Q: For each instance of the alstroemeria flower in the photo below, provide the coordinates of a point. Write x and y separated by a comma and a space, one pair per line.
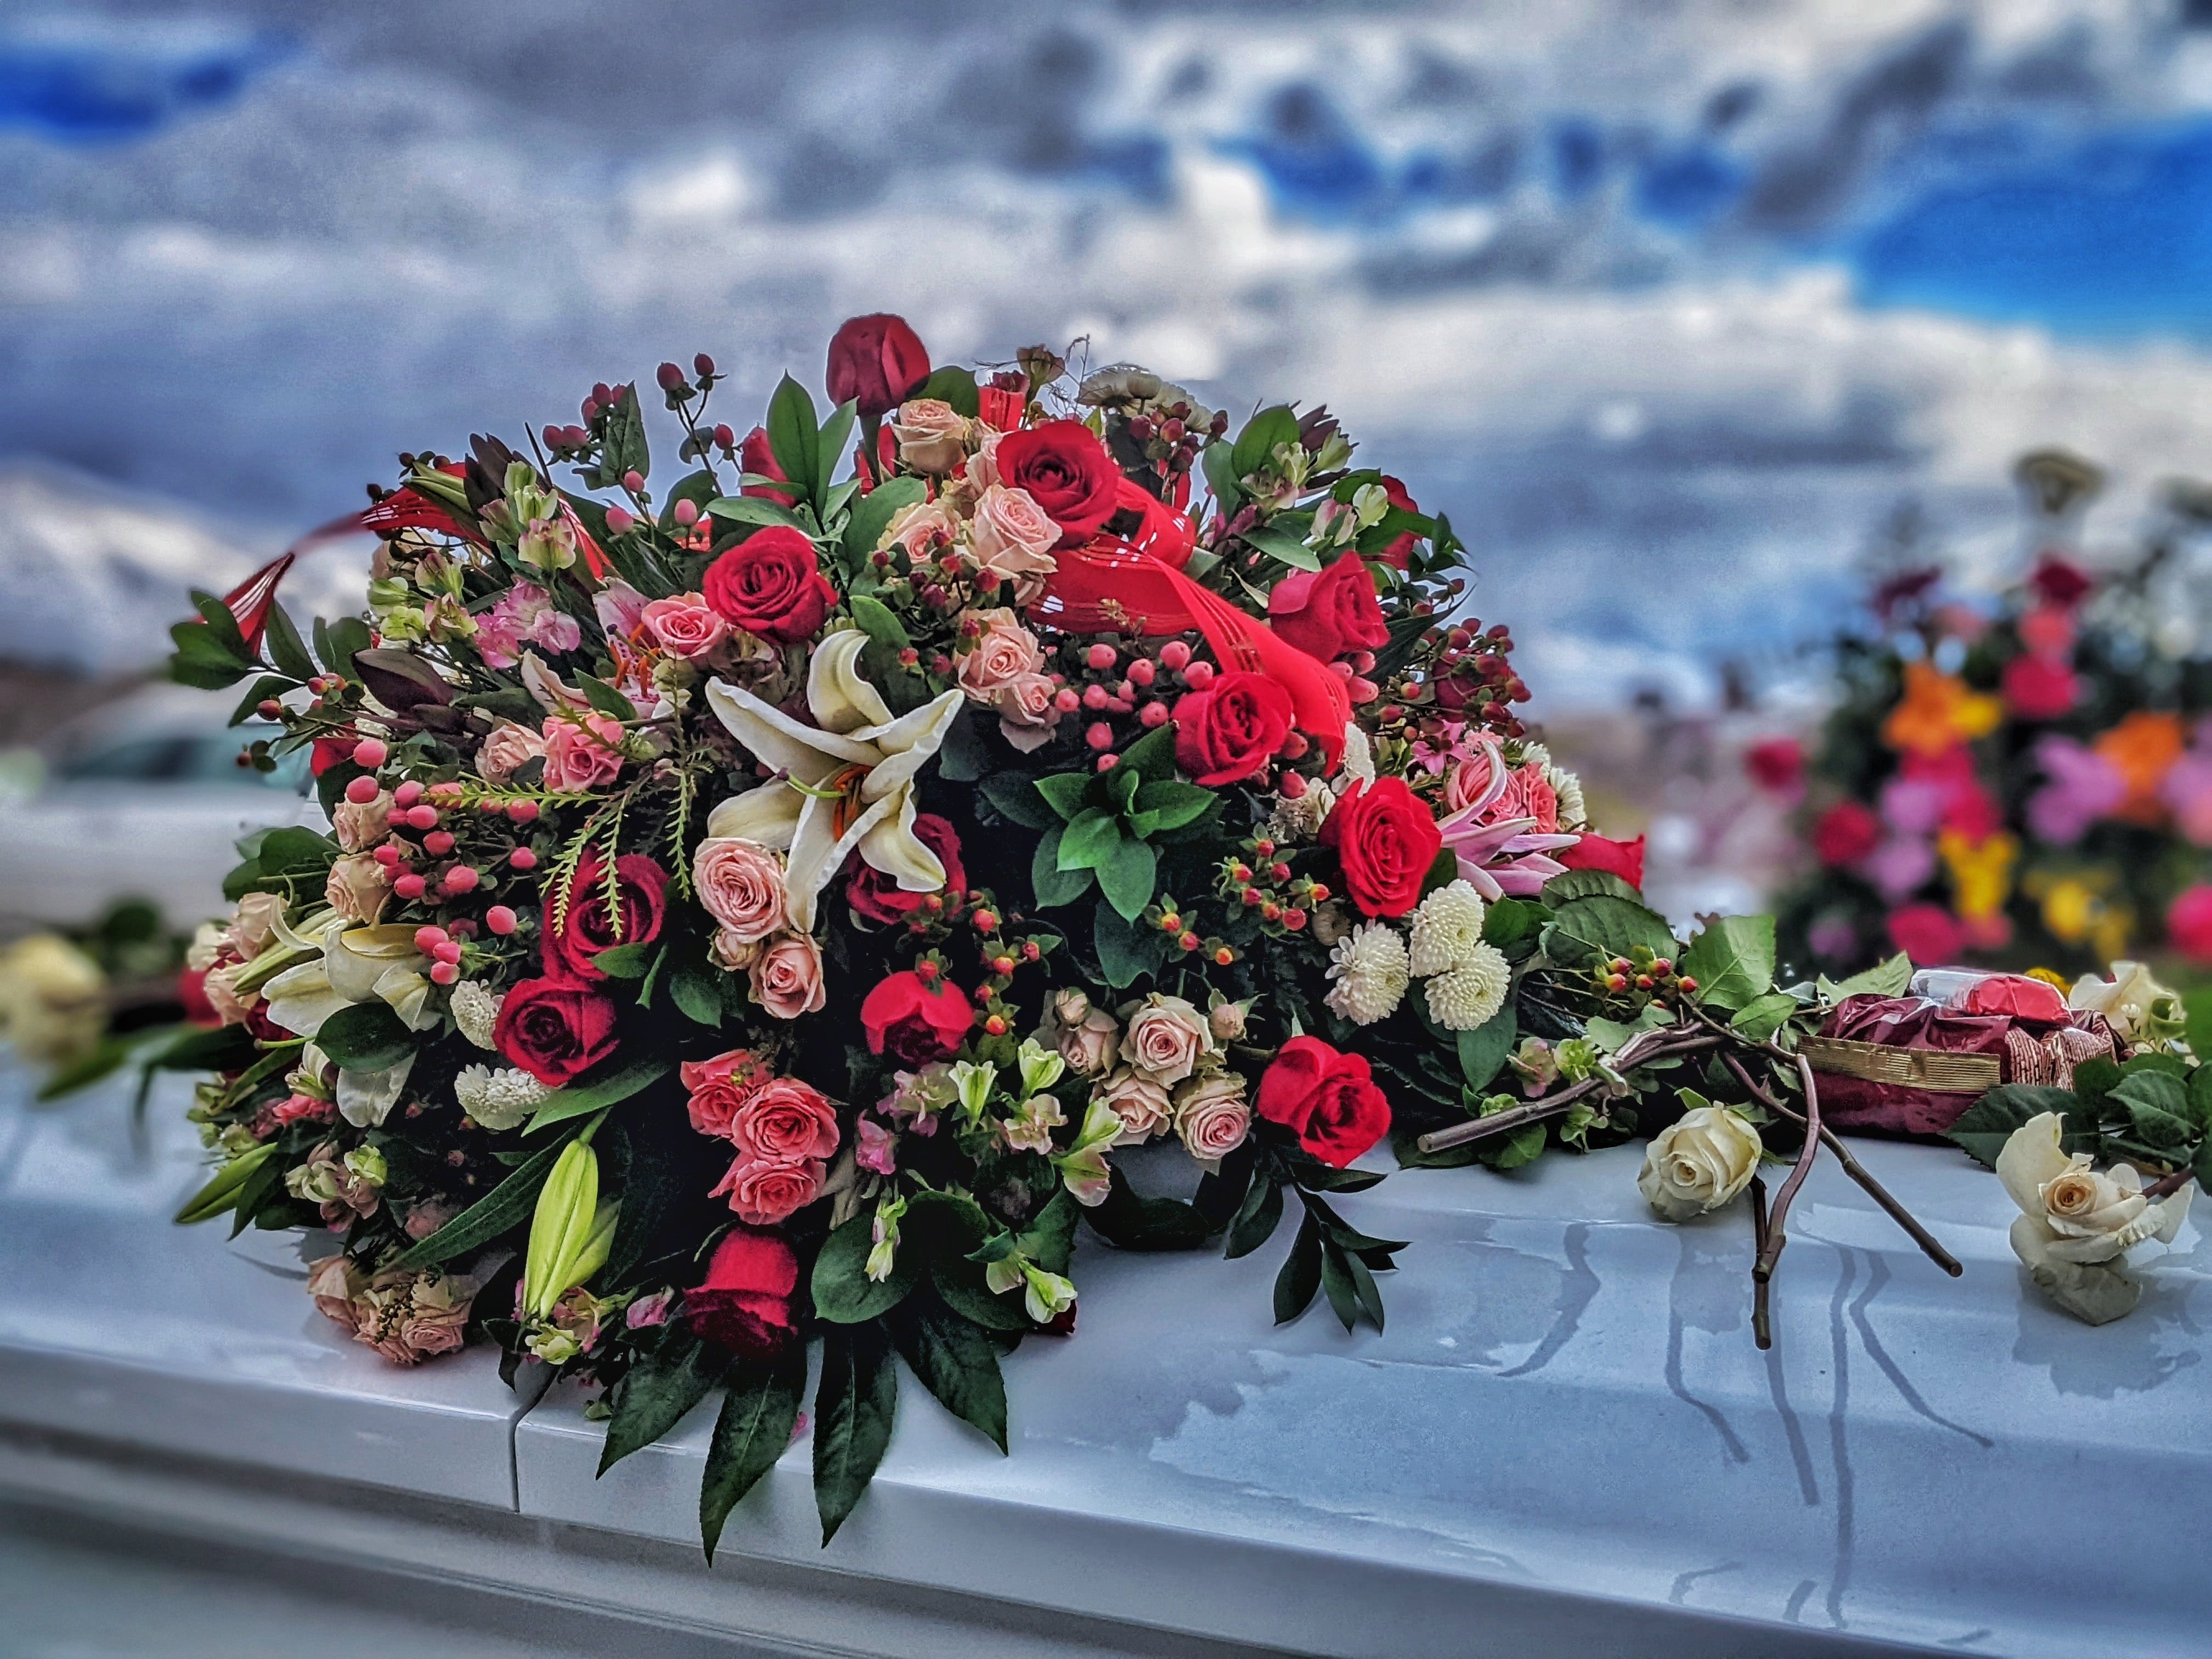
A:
847, 781
1508, 857
1083, 1166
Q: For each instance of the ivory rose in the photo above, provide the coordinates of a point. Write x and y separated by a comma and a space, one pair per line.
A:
1699, 1163
1027, 713
2137, 1008
1165, 1038
741, 884
918, 530
1088, 1041
358, 887
1012, 537
1000, 654
507, 751
1139, 1101
787, 976
932, 436
1212, 1115
359, 825
254, 924
2077, 1223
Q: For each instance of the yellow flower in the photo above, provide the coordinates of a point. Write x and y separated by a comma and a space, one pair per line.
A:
1938, 713
1981, 871
2069, 909
2050, 976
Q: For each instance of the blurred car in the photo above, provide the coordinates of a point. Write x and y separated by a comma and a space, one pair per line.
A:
145, 799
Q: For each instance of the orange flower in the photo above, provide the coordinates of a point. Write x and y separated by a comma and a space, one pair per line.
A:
2143, 747
1938, 712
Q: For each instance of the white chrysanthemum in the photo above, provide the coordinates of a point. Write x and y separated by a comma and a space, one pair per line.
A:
1470, 992
1446, 928
1368, 967
497, 1099
476, 1011
1574, 812
1359, 756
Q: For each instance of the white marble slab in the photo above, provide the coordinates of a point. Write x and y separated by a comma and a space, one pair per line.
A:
118, 1325
1565, 1444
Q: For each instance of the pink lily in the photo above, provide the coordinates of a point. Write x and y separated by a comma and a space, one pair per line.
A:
1506, 859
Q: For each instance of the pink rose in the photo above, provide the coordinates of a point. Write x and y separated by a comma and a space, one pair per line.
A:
720, 1089
358, 888
581, 751
684, 627
254, 924
1088, 1043
334, 1284
359, 824
1211, 1115
507, 751
1001, 653
1027, 713
1013, 535
931, 435
787, 976
764, 1193
785, 1118
918, 530
220, 987
1141, 1105
982, 469
1166, 1037
741, 884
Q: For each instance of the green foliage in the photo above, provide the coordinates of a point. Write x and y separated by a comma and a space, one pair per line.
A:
610, 1084
1984, 1127
854, 1407
367, 1036
507, 1206
758, 1414
665, 1384
794, 437
957, 1362
1484, 1050
1603, 926
843, 1292
1266, 431
1733, 961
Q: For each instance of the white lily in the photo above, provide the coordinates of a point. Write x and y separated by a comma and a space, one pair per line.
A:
353, 964
847, 780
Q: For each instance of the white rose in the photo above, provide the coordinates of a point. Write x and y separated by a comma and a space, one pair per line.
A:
2077, 1221
1699, 1163
2136, 1006
1166, 1038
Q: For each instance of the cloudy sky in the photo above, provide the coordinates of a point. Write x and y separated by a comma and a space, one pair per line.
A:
1666, 304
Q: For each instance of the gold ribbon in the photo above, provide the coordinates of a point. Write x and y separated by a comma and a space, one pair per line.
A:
1914, 1068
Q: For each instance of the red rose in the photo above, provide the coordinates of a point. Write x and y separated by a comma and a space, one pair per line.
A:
1328, 613
1230, 731
554, 1029
916, 1020
1067, 471
192, 991
2039, 688
587, 929
877, 362
770, 585
1776, 764
1623, 859
880, 898
1928, 933
1846, 833
745, 1303
1327, 1099
2060, 582
1386, 839
1399, 553
2189, 924
755, 457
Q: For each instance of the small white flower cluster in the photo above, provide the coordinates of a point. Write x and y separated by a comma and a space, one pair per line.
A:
476, 1011
498, 1099
1466, 978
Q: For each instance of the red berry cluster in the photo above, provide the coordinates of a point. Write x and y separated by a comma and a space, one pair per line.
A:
1262, 882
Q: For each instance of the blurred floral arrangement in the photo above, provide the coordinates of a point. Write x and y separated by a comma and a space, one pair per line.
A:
79, 1002
2026, 785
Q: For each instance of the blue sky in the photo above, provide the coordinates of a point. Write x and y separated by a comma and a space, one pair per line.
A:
1668, 311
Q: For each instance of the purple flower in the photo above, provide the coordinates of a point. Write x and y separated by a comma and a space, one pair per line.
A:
1901, 865
2083, 786
524, 615
1913, 806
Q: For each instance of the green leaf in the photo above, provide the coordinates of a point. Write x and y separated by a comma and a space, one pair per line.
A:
958, 1362
1256, 1218
224, 1189
286, 648
758, 1414
1130, 1221
697, 994
1065, 791
794, 436
1511, 921
2158, 1108
1444, 870
853, 1411
1483, 1050
1885, 979
829, 448
2200, 1096
1732, 960
843, 1292
1129, 876
107, 1056
507, 1206
604, 1090
605, 698
624, 449
966, 1293
756, 510
340, 641
955, 386
1220, 462
1015, 797
1984, 1127
1051, 884
878, 624
1050, 1240
1263, 433
1127, 952
1169, 805
1613, 928
873, 516
964, 756
1588, 883
1336, 1280
367, 1036
1279, 545
626, 961
1150, 758
1301, 1273
1090, 839
657, 1390
225, 1049
1761, 1017
1524, 1147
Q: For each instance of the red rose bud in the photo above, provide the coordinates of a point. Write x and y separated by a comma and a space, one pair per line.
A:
876, 362
744, 1305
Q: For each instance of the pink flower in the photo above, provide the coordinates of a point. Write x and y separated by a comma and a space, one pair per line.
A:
1899, 865
786, 977
2187, 788
741, 884
684, 627
359, 825
294, 1108
581, 751
1001, 653
1142, 1105
878, 1148
1013, 535
2083, 787
648, 1311
720, 1089
761, 1194
507, 751
785, 1118
358, 887
2189, 924
1928, 933
525, 615
1027, 713
1211, 1115
1499, 855
620, 608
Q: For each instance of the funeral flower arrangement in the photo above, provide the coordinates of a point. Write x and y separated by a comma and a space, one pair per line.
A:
773, 908
2030, 785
